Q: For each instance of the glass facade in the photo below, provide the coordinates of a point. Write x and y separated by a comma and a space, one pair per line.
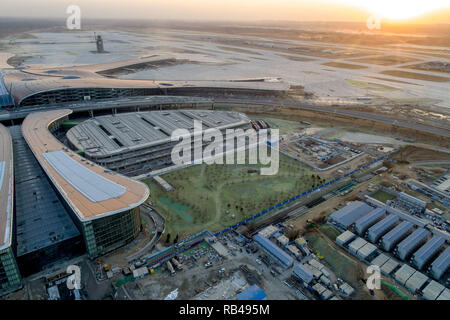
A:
109, 233
103, 235
10, 279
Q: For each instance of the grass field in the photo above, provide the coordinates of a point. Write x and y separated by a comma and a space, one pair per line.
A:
415, 75
343, 65
295, 58
285, 126
373, 86
217, 196
330, 231
341, 265
385, 60
382, 196
392, 292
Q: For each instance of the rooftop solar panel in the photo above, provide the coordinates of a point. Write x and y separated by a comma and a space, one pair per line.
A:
90, 184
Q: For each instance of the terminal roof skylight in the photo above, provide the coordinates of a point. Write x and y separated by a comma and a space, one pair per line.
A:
90, 184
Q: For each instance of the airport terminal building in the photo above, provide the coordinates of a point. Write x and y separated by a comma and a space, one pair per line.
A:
57, 203
103, 205
33, 88
10, 278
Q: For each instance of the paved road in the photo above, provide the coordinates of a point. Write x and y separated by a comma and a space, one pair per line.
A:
410, 124
158, 221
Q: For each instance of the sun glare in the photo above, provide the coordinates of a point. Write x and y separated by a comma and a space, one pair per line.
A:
402, 9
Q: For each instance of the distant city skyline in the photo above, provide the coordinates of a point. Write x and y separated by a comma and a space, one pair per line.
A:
431, 11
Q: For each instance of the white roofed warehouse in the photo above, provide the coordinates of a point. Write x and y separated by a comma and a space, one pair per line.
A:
346, 216
345, 238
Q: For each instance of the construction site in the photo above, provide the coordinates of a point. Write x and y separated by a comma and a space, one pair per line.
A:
319, 154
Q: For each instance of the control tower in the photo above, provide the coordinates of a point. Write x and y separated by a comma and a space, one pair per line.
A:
99, 41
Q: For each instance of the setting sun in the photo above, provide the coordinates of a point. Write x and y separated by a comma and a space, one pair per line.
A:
399, 10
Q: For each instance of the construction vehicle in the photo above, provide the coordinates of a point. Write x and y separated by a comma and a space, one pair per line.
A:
170, 267
106, 267
177, 264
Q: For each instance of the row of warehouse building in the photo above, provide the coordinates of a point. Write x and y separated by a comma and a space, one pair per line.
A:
416, 281
371, 230
408, 241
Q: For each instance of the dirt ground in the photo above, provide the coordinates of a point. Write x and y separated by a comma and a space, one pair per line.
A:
193, 280
343, 65
385, 60
415, 75
327, 207
413, 153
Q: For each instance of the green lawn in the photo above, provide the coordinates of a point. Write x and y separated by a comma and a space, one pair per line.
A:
382, 196
330, 231
341, 265
285, 126
217, 196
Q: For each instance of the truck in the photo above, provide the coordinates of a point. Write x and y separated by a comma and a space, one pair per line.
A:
177, 264
170, 268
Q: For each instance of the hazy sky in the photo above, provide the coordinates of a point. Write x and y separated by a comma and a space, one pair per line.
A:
302, 10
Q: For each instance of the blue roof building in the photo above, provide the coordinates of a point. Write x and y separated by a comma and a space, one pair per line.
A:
276, 252
252, 293
390, 239
411, 242
303, 273
363, 223
380, 228
427, 251
441, 264
347, 215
